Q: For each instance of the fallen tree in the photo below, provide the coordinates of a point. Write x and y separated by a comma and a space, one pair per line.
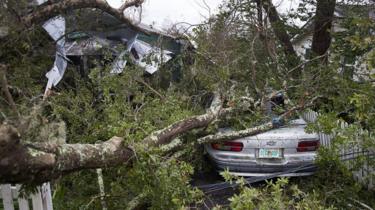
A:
150, 145
22, 162
38, 161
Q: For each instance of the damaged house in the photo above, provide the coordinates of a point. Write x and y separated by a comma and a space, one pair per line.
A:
88, 36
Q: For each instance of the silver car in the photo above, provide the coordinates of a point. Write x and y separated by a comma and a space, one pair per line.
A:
284, 150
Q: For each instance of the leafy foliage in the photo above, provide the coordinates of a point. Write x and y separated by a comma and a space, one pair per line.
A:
276, 195
237, 55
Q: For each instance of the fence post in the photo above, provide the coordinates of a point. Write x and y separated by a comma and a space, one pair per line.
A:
46, 196
23, 203
101, 188
41, 200
6, 194
37, 200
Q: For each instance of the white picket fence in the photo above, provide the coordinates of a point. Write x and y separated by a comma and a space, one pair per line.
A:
41, 200
348, 153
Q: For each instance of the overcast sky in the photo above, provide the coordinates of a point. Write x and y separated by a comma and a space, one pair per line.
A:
164, 13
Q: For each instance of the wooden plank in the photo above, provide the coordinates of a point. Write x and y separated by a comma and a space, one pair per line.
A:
101, 188
6, 194
37, 200
23, 203
46, 196
371, 185
14, 191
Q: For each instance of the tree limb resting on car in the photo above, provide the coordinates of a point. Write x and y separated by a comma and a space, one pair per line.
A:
40, 160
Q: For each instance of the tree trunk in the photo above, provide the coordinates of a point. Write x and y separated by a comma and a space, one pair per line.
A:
322, 26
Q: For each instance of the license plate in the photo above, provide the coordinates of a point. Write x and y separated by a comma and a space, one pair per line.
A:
269, 153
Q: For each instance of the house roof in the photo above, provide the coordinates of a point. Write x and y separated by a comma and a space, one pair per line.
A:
86, 23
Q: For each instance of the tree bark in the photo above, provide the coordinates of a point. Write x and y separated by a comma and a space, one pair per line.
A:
164, 136
4, 87
279, 28
250, 131
40, 162
236, 134
260, 13
47, 11
322, 26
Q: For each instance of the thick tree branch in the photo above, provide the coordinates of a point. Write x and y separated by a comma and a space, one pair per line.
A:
9, 137
47, 11
4, 87
259, 13
236, 134
141, 81
250, 131
164, 136
131, 3
278, 27
20, 163
137, 202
